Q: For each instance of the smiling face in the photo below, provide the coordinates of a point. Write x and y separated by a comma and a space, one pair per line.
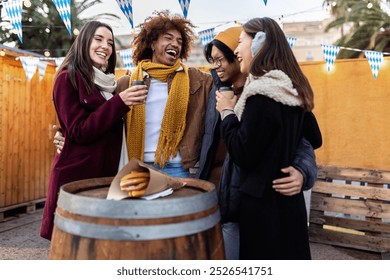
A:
100, 49
226, 71
244, 53
167, 47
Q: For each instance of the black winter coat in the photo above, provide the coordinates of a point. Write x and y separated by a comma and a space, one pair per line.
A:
263, 141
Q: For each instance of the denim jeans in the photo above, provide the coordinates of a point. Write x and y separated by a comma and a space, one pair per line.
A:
172, 169
231, 239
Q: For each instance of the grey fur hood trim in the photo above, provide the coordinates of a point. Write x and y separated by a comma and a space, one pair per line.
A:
275, 84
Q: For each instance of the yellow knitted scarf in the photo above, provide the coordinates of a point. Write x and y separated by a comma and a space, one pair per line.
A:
174, 120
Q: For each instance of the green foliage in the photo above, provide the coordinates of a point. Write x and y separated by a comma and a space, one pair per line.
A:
43, 29
369, 27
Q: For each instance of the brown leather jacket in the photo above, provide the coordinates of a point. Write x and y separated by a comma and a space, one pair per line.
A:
200, 86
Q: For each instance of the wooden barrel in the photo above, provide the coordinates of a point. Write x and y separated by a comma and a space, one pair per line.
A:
184, 225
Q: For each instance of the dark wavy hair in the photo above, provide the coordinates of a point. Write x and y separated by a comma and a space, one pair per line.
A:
78, 60
159, 23
276, 54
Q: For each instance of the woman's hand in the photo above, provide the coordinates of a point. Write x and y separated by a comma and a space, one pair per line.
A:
223, 102
59, 139
134, 95
290, 185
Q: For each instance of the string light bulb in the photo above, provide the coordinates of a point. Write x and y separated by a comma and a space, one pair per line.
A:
27, 3
369, 5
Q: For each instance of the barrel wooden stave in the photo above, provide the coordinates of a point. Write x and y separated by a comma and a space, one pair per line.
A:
202, 245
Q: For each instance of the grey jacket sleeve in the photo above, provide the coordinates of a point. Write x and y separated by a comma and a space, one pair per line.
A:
305, 162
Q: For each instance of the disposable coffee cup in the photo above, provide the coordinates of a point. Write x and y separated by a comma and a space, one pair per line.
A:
227, 92
137, 83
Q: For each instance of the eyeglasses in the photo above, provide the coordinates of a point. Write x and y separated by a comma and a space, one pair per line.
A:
217, 61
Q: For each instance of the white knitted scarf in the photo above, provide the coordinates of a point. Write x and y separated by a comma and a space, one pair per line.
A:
106, 82
275, 84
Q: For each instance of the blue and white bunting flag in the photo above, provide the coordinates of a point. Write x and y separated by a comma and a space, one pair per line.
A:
127, 9
330, 54
29, 65
206, 36
265, 2
13, 9
291, 41
63, 8
127, 57
375, 60
184, 4
42, 69
58, 61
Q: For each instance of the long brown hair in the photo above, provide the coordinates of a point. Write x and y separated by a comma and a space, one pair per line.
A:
159, 24
78, 60
276, 54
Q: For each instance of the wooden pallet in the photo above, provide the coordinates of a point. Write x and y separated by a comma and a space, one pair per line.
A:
12, 211
350, 207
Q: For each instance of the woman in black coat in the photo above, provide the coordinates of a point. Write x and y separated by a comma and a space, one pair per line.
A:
262, 131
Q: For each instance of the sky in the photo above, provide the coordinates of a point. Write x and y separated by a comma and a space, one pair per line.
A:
219, 14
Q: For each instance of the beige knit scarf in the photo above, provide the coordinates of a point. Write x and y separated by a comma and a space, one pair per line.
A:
174, 120
105, 82
275, 84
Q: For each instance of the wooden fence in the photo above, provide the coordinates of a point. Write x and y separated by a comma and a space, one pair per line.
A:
26, 151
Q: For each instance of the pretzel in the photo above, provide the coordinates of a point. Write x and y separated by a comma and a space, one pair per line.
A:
135, 183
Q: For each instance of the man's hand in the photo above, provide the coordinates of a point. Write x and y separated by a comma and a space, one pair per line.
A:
290, 185
59, 139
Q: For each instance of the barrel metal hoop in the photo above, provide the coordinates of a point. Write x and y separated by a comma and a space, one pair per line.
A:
136, 208
135, 233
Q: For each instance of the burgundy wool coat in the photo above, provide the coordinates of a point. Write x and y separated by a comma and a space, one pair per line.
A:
92, 127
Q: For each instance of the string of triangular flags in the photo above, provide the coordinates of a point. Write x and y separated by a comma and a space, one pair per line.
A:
31, 64
374, 58
13, 9
207, 35
126, 7
330, 52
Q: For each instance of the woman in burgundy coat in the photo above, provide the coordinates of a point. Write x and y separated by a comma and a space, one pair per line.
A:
90, 114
